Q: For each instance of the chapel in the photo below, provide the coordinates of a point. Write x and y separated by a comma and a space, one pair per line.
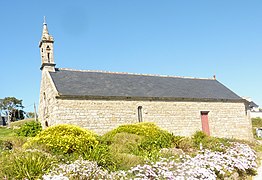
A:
101, 101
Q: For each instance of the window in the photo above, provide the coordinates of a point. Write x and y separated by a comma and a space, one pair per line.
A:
139, 109
46, 123
48, 57
44, 97
45, 105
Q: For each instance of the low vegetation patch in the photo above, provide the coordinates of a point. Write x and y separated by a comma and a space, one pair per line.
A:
29, 129
134, 151
205, 165
65, 139
30, 164
153, 136
202, 141
148, 137
135, 144
18, 124
6, 132
256, 123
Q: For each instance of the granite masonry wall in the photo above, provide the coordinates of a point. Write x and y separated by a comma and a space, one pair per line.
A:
47, 100
226, 119
181, 118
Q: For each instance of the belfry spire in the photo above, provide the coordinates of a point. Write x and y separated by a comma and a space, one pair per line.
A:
46, 49
44, 20
45, 33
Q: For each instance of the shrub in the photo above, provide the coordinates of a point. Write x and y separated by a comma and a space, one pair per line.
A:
30, 164
257, 122
11, 143
124, 150
177, 140
134, 143
65, 139
208, 142
153, 136
18, 124
125, 161
102, 156
29, 129
125, 143
199, 137
186, 144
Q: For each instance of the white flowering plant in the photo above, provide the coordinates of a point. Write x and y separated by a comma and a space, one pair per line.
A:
205, 165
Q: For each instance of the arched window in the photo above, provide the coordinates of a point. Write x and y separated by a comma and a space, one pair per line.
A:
48, 57
44, 105
139, 111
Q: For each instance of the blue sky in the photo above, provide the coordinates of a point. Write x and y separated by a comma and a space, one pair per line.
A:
171, 37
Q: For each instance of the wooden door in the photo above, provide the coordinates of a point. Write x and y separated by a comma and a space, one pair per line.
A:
205, 125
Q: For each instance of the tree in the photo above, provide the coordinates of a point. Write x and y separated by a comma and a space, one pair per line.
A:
12, 107
30, 115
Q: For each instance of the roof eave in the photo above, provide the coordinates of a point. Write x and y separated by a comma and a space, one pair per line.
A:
90, 97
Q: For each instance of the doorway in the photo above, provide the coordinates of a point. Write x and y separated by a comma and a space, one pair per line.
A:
205, 124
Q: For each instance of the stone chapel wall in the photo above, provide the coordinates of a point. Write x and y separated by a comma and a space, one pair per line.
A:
181, 118
47, 102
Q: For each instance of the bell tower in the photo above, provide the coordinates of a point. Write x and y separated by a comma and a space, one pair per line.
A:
47, 50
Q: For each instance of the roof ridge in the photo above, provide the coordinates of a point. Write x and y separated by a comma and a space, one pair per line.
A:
137, 74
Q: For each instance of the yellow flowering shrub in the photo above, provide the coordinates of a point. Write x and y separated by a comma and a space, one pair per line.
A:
65, 139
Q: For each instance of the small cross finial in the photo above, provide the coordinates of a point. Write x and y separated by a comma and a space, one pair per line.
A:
44, 21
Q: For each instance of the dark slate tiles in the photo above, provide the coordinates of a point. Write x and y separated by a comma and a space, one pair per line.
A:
87, 83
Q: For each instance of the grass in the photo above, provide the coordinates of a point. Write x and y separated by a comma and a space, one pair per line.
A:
256, 122
5, 132
19, 123
9, 132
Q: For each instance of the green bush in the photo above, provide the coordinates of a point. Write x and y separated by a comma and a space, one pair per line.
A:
125, 143
186, 144
154, 137
101, 155
208, 142
25, 164
177, 140
18, 124
199, 137
151, 139
124, 149
11, 143
65, 139
257, 122
29, 129
125, 161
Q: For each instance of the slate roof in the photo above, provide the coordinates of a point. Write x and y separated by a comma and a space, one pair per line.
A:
253, 104
104, 84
